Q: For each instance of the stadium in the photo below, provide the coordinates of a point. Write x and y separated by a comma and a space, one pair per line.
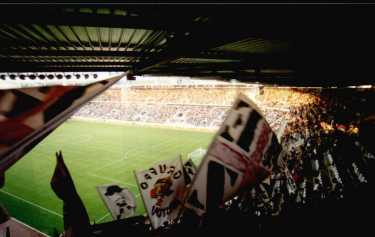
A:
120, 105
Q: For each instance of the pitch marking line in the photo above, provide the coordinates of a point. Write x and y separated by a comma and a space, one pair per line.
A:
126, 157
112, 180
109, 164
103, 217
35, 230
31, 203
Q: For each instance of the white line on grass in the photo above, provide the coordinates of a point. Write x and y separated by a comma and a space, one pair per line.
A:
31, 203
112, 180
33, 229
103, 217
109, 164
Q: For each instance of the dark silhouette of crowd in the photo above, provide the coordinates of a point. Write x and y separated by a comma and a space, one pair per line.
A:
322, 183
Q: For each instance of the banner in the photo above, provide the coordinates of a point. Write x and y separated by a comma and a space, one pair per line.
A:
162, 188
28, 115
120, 201
242, 154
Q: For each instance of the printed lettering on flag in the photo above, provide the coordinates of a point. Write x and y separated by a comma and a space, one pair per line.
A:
162, 188
240, 155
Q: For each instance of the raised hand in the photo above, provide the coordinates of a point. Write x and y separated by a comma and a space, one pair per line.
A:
2, 179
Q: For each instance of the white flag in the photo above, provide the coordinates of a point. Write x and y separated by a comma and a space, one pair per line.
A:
120, 201
162, 188
240, 155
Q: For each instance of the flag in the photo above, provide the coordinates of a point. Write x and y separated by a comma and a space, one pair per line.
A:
61, 182
162, 188
241, 154
27, 115
76, 219
189, 171
119, 200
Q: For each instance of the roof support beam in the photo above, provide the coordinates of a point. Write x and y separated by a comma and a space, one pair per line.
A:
66, 69
97, 53
54, 16
70, 53
64, 66
194, 43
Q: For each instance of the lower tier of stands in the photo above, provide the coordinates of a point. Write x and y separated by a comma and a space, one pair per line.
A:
200, 116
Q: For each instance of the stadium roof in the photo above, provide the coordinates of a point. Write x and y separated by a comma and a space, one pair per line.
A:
282, 44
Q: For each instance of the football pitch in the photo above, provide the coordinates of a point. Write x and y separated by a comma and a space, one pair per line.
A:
96, 154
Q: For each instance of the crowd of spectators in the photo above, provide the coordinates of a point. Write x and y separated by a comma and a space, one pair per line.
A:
190, 106
112, 95
323, 177
198, 95
188, 95
186, 115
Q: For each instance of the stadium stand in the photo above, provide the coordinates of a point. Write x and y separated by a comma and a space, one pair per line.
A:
320, 126
321, 182
318, 129
187, 106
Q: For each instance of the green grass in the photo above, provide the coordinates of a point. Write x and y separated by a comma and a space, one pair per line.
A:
96, 154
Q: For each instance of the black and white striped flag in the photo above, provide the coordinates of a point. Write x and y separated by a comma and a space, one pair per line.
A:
242, 154
28, 115
189, 171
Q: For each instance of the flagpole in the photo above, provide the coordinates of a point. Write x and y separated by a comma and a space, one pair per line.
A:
144, 203
182, 206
